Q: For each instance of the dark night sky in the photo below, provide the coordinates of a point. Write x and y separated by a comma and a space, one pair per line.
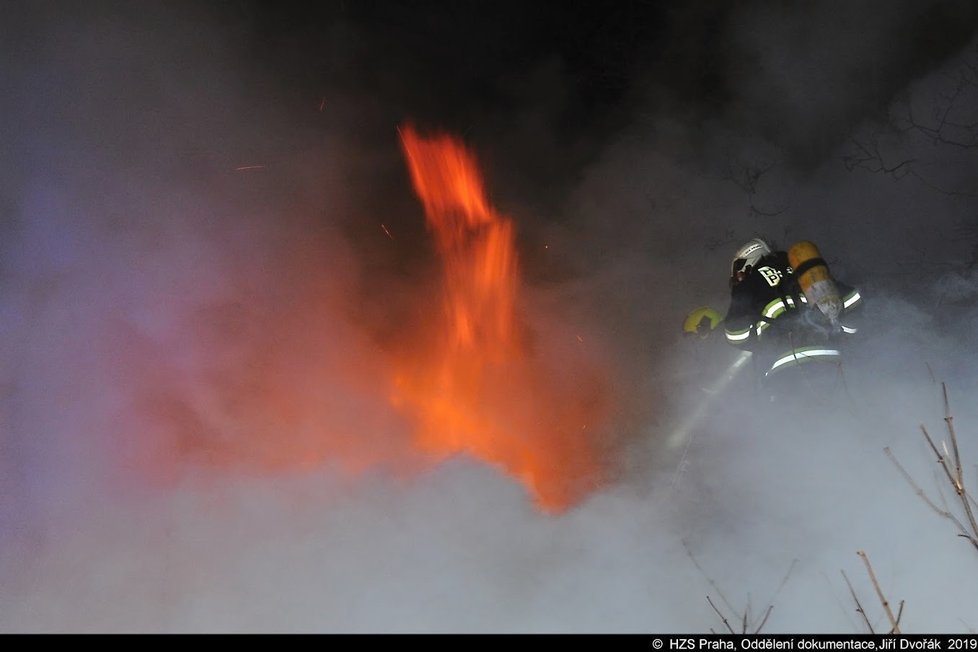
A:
451, 63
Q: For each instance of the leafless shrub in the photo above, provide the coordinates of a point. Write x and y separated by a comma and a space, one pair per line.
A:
953, 471
745, 621
893, 618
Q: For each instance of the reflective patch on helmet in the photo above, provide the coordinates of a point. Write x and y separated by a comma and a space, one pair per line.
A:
771, 275
751, 249
750, 253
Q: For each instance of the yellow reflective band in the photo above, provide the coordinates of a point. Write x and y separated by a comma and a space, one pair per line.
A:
847, 329
774, 308
802, 354
737, 336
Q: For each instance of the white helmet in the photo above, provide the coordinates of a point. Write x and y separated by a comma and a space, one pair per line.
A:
748, 255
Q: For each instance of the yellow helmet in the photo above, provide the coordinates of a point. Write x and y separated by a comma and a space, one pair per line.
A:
701, 321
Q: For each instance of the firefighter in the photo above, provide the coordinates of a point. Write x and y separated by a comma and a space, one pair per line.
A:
788, 311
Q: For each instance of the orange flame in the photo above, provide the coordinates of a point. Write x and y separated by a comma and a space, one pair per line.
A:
288, 382
475, 388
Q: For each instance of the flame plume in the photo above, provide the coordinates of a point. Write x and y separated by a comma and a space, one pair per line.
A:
474, 386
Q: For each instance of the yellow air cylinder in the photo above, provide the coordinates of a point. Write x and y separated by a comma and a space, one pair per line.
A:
813, 277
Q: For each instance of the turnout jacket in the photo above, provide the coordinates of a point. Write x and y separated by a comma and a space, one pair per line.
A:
770, 316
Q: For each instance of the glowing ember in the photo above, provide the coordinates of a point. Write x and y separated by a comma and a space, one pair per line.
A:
473, 386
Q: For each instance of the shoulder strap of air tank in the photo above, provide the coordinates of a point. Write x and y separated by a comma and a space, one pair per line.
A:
788, 289
808, 264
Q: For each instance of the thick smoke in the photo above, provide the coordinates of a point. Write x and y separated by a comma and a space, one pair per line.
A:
210, 248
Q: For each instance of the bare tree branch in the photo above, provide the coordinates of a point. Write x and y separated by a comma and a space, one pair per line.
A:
920, 492
952, 123
722, 617
708, 578
954, 473
941, 189
869, 157
745, 616
859, 606
879, 592
959, 473
767, 613
747, 177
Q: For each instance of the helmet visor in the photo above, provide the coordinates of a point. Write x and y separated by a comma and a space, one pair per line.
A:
738, 265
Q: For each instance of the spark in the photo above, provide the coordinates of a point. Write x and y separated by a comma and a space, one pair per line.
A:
322, 105
243, 168
384, 227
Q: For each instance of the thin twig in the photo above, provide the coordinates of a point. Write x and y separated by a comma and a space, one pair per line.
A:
784, 580
745, 617
767, 613
838, 601
708, 578
879, 593
770, 607
959, 485
955, 477
920, 492
971, 498
941, 459
859, 606
949, 421
722, 617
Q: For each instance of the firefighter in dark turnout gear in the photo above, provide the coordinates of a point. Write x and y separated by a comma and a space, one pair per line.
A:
789, 327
